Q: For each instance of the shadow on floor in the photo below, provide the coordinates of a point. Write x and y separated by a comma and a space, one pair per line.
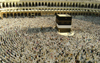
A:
43, 30
92, 19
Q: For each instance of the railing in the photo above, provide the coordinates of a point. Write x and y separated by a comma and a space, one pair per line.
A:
19, 9
83, 4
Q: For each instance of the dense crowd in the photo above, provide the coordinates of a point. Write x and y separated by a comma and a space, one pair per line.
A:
35, 40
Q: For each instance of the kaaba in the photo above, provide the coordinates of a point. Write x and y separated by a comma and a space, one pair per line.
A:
63, 22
